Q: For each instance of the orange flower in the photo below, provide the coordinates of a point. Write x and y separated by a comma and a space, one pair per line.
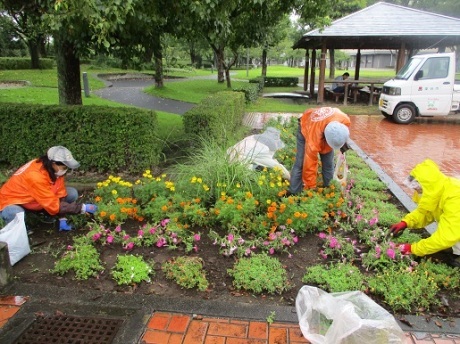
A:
102, 214
164, 208
112, 217
297, 214
239, 207
288, 221
98, 199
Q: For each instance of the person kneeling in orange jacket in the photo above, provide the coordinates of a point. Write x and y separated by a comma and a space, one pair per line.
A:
39, 186
438, 199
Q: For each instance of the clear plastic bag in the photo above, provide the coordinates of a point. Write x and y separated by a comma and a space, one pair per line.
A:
344, 318
341, 170
15, 235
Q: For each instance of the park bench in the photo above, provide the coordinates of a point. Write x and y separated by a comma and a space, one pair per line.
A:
332, 95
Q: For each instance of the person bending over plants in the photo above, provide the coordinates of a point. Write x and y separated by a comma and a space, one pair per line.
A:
321, 130
438, 199
39, 186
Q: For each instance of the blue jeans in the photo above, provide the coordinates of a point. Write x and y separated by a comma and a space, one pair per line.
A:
327, 161
9, 212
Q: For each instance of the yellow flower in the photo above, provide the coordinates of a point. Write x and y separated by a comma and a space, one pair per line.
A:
193, 181
268, 201
114, 192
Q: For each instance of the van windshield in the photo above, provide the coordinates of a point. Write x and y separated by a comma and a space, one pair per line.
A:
406, 71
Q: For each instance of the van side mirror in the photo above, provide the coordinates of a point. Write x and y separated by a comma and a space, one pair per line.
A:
419, 75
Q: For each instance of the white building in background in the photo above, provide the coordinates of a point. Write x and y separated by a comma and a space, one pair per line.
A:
379, 59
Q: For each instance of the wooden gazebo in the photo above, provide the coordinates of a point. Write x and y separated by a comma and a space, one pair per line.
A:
380, 26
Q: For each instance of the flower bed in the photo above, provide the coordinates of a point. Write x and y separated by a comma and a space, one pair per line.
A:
223, 216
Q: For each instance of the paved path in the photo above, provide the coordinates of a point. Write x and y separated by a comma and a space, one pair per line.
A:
393, 148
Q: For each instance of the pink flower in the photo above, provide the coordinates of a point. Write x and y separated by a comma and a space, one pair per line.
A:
373, 221
378, 251
109, 239
161, 242
126, 237
322, 254
271, 250
96, 236
322, 235
164, 222
195, 248
240, 241
391, 253
118, 229
129, 246
295, 239
69, 247
272, 236
152, 230
333, 243
266, 243
197, 237
247, 252
140, 233
230, 237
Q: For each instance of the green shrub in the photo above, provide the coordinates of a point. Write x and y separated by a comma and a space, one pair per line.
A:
105, 139
15, 63
82, 258
130, 269
187, 272
216, 116
260, 273
251, 92
336, 277
281, 81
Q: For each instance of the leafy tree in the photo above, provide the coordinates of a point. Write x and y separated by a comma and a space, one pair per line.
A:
10, 42
28, 26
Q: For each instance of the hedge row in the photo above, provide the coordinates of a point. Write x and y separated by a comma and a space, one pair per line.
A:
216, 116
281, 81
15, 63
102, 139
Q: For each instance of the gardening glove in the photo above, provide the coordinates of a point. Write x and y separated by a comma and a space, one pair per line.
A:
344, 148
88, 208
64, 226
398, 229
405, 248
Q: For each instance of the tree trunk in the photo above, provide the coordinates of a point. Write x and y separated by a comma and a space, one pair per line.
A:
34, 53
264, 62
220, 64
227, 77
68, 69
158, 57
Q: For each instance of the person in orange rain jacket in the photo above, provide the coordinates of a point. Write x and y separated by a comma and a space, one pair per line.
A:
39, 186
321, 130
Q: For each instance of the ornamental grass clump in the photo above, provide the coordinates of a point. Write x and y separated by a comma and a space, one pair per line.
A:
260, 273
82, 258
187, 272
131, 269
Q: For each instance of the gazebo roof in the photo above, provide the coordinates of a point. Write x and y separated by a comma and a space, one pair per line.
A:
385, 26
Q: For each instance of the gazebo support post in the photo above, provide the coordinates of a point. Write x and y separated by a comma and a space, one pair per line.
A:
401, 57
322, 74
313, 72
358, 64
305, 75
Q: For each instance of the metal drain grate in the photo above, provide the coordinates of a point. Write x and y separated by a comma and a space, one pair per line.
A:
70, 330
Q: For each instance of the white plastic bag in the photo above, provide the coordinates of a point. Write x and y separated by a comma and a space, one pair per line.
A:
344, 318
341, 171
15, 235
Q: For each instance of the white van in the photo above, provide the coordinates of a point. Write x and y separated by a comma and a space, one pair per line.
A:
425, 86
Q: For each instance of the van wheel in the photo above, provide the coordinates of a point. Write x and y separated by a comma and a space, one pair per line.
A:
404, 114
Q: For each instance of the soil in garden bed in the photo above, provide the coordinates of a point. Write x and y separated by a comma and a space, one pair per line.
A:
48, 244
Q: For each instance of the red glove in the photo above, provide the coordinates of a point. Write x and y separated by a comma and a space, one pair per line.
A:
405, 248
398, 229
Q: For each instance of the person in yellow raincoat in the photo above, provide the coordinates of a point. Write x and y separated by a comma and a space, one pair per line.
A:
438, 199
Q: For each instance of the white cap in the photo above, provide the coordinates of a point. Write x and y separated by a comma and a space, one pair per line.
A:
271, 138
62, 154
336, 134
